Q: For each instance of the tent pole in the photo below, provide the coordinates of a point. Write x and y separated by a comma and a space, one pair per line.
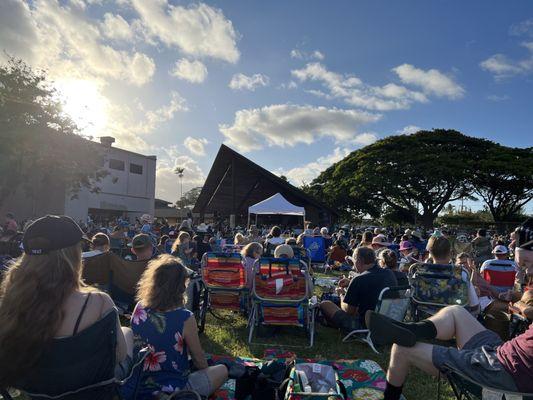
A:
248, 220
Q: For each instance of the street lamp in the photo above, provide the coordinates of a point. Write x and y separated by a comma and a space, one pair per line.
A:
179, 171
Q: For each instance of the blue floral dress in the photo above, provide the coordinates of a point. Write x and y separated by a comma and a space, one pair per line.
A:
167, 367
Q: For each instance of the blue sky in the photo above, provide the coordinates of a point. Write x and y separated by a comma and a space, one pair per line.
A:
319, 79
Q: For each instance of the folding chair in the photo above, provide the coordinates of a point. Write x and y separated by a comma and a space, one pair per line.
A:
465, 388
435, 286
281, 295
501, 280
225, 283
393, 302
80, 367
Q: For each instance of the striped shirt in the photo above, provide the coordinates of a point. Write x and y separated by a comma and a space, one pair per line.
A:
499, 273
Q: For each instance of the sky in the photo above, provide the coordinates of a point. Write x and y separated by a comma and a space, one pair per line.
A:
293, 85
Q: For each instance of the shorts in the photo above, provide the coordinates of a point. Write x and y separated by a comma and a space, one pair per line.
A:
199, 382
477, 360
342, 320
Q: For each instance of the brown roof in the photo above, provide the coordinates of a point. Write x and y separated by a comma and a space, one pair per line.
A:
252, 184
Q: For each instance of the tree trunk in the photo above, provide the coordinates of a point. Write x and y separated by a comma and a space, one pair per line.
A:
427, 220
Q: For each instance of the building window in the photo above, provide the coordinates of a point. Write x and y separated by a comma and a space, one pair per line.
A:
116, 164
136, 169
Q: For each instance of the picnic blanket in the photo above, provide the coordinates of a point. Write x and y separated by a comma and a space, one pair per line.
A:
363, 379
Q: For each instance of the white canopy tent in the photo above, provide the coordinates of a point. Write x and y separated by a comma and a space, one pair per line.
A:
275, 205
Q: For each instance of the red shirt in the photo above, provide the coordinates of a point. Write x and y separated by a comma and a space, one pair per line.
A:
516, 356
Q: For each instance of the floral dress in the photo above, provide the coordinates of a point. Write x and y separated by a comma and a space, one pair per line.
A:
166, 368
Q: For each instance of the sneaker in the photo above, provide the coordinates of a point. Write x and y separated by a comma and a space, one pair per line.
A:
384, 330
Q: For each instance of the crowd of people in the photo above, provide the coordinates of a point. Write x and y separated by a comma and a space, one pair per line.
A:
43, 289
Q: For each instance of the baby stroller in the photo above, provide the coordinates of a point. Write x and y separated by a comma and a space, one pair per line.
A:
225, 285
435, 286
281, 296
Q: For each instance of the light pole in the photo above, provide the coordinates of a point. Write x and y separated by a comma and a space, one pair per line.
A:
179, 171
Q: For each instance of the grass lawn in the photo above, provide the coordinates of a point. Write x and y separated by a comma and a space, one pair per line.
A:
230, 337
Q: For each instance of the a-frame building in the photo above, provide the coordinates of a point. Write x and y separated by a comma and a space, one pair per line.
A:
234, 183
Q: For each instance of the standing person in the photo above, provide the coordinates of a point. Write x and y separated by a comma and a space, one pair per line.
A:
161, 322
481, 247
44, 287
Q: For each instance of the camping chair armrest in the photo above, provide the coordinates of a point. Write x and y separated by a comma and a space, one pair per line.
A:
355, 332
450, 371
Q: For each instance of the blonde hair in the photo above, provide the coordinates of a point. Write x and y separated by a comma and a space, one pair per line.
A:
250, 248
239, 239
439, 247
162, 284
179, 241
32, 296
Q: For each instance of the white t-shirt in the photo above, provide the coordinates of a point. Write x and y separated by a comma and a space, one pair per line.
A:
276, 241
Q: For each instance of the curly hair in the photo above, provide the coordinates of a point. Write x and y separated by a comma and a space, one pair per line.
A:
162, 285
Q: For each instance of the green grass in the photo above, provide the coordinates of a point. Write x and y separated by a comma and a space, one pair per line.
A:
230, 337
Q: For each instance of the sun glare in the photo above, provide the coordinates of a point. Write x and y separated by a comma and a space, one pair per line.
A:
84, 103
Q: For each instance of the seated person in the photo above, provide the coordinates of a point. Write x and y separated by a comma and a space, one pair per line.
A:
480, 354
250, 254
213, 245
239, 240
283, 251
181, 248
275, 238
388, 260
500, 272
44, 286
380, 243
409, 255
361, 294
337, 253
142, 247
99, 244
174, 337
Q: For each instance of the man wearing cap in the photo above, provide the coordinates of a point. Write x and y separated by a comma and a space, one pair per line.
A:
142, 247
99, 244
360, 294
500, 272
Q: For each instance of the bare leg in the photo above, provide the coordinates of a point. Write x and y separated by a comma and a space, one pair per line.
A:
218, 374
329, 309
402, 358
455, 321
128, 336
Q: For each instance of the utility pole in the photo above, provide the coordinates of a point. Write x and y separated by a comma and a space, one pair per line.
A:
179, 171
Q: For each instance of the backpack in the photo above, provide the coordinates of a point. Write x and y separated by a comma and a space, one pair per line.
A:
314, 381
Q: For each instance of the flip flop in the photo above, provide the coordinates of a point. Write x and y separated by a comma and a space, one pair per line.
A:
383, 331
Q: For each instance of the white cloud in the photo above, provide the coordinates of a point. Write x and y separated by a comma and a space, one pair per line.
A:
117, 28
503, 67
244, 82
495, 97
364, 139
354, 92
288, 125
192, 71
302, 55
408, 130
60, 39
432, 81
197, 30
167, 183
307, 172
154, 118
524, 28
195, 146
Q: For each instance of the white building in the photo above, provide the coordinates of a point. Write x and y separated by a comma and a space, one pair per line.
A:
128, 190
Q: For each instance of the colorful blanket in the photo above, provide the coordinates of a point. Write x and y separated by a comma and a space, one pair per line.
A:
363, 379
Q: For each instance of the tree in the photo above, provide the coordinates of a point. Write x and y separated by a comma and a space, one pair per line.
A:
415, 175
503, 179
189, 198
39, 143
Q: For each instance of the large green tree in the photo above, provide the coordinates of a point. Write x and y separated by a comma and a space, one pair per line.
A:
403, 176
503, 179
39, 143
189, 198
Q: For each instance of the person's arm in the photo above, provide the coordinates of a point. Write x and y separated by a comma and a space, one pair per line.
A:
107, 304
190, 335
349, 302
525, 310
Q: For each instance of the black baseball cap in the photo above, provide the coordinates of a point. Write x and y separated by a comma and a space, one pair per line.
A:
51, 232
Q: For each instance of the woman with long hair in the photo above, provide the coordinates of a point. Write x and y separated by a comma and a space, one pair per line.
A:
181, 248
250, 254
42, 299
161, 322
